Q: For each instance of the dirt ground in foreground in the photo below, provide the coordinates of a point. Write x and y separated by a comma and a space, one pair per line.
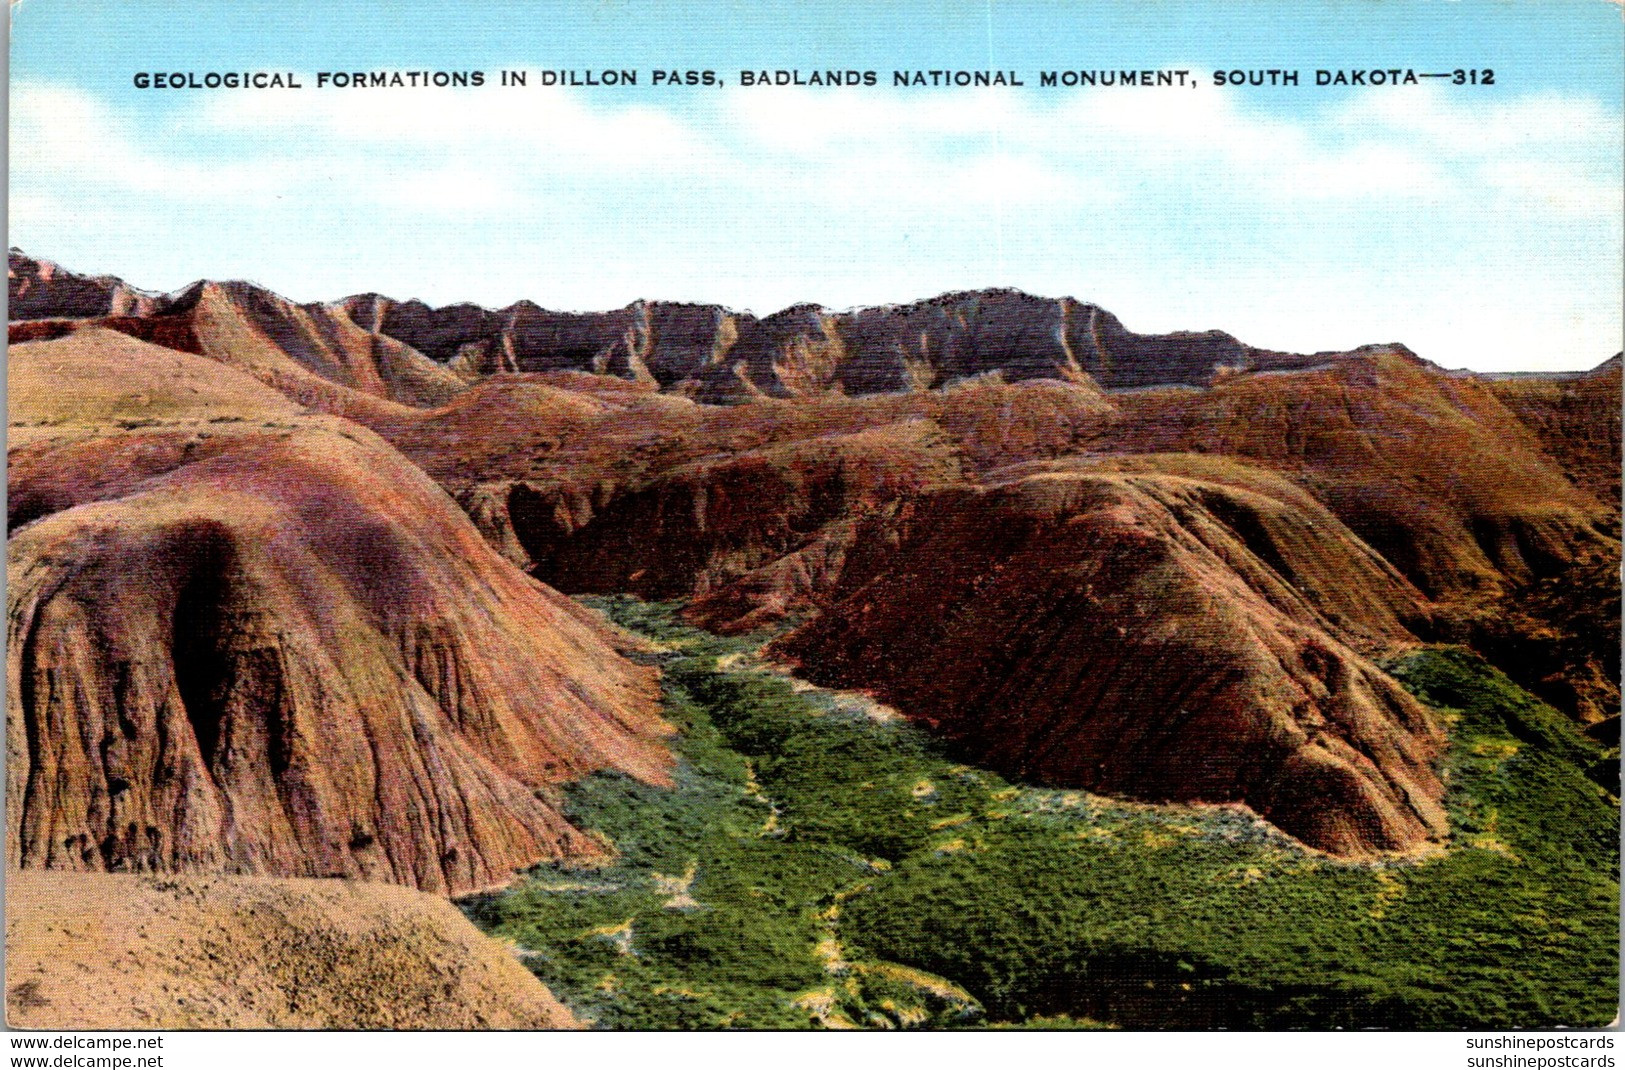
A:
100, 951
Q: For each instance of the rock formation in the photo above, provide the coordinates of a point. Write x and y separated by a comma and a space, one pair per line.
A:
1154, 565
242, 639
310, 352
1577, 419
39, 289
1165, 629
703, 351
717, 355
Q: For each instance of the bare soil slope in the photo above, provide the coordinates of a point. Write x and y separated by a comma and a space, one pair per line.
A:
1577, 418
1430, 469
99, 951
313, 353
1173, 634
266, 643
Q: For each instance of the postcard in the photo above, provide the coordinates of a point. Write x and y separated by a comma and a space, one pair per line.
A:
952, 515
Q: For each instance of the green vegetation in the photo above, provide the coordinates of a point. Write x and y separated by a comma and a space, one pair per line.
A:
821, 864
717, 911
1516, 925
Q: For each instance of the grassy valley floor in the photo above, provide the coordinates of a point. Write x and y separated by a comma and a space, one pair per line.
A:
824, 863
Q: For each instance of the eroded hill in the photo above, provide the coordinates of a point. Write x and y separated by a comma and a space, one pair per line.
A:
105, 951
243, 638
1159, 566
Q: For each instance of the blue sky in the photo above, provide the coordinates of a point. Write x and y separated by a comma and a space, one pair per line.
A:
1480, 225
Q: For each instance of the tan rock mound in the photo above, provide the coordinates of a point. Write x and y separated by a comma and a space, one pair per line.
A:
273, 646
287, 344
1430, 469
99, 951
1577, 418
313, 353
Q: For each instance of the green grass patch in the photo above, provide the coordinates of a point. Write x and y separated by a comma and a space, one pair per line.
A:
1515, 925
716, 912
816, 865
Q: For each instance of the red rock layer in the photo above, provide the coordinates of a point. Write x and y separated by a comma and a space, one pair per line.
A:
1431, 469
1166, 635
1178, 580
1577, 419
271, 645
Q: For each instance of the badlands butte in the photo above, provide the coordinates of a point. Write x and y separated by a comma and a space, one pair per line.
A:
289, 584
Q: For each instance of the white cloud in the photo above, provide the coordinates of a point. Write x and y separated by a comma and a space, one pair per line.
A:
1083, 148
557, 123
1562, 189
61, 135
1451, 123
1544, 152
762, 196
484, 149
